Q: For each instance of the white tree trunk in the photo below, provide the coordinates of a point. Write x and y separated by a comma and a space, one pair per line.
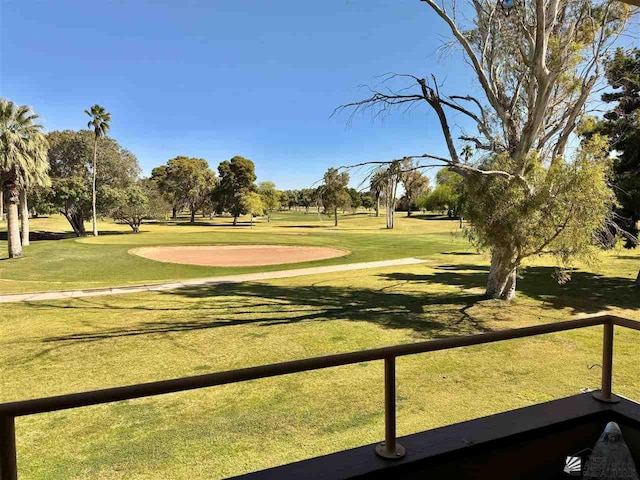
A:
13, 223
390, 215
501, 283
24, 217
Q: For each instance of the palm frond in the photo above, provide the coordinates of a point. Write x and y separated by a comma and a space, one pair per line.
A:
23, 146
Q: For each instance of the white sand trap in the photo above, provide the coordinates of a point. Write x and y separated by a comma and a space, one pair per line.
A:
238, 255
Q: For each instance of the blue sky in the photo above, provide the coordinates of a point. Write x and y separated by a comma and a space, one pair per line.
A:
217, 78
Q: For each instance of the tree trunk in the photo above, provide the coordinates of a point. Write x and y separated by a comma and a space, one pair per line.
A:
638, 280
390, 216
335, 217
461, 221
501, 283
24, 217
174, 213
94, 215
235, 221
193, 216
377, 205
76, 221
1, 204
13, 224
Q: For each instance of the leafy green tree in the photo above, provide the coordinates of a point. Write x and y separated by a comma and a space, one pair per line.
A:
99, 123
134, 203
270, 198
448, 195
536, 68
307, 198
158, 207
414, 183
185, 182
334, 192
70, 158
621, 125
356, 199
253, 204
237, 177
367, 200
169, 187
128, 205
40, 201
23, 163
284, 200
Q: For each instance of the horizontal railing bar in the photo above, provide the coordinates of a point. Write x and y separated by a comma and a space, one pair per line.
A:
625, 322
130, 392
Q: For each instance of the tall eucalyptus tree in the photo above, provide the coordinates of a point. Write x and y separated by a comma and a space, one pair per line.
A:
535, 64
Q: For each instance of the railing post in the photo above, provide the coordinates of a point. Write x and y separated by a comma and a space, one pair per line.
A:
604, 394
8, 462
390, 448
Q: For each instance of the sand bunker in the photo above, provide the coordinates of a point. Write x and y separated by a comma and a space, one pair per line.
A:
238, 255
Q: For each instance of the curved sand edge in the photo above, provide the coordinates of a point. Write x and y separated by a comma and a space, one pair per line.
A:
237, 255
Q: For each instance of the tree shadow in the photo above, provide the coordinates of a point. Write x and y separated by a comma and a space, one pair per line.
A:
266, 305
586, 292
628, 257
212, 224
306, 226
460, 253
433, 216
42, 235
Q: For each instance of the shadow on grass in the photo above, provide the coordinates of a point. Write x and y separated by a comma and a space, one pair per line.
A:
587, 292
40, 235
307, 226
265, 305
212, 223
433, 216
460, 253
427, 314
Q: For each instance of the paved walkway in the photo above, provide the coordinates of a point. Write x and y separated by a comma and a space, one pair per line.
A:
202, 282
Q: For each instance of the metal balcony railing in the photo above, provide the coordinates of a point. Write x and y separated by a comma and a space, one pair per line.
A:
390, 448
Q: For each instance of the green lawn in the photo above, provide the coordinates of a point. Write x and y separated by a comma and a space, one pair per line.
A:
69, 263
49, 348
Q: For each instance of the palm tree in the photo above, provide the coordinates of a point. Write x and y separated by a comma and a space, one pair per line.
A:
23, 162
376, 186
99, 122
466, 153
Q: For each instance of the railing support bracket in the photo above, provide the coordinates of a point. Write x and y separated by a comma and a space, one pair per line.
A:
381, 450
598, 395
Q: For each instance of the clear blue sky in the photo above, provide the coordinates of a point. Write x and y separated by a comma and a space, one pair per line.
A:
217, 78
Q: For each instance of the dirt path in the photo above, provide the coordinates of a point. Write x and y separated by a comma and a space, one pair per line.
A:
247, 277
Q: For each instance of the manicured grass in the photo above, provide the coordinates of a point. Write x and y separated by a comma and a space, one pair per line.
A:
70, 263
49, 348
